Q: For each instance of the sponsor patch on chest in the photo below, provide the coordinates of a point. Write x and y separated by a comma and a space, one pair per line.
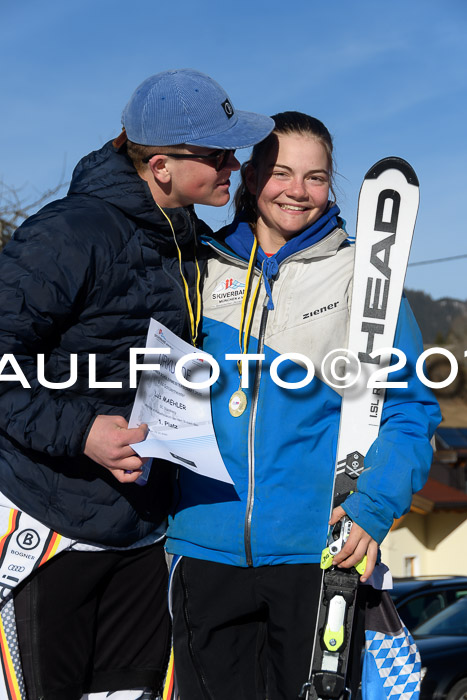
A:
228, 291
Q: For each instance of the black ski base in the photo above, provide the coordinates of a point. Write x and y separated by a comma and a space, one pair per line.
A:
325, 684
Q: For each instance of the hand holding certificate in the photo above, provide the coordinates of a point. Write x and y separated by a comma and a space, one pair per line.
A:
178, 417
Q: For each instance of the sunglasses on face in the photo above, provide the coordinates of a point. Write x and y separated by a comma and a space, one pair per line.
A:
219, 157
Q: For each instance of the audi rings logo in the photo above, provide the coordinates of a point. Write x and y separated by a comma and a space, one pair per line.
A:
16, 567
28, 539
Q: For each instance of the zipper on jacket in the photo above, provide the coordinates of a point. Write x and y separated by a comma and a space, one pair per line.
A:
251, 435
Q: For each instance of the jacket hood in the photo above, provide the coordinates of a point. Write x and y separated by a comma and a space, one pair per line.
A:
109, 174
239, 237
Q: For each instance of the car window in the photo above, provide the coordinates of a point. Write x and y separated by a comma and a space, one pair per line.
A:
421, 608
452, 620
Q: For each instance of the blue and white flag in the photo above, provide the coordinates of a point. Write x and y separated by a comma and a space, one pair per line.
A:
391, 662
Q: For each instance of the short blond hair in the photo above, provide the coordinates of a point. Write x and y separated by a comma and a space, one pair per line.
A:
139, 154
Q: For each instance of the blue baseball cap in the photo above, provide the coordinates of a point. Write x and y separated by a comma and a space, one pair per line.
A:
186, 106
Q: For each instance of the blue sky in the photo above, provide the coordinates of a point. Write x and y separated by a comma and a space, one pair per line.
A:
386, 78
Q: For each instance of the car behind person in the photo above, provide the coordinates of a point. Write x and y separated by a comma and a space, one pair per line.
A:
417, 598
442, 642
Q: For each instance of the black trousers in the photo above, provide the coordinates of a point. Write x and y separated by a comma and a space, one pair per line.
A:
94, 621
244, 633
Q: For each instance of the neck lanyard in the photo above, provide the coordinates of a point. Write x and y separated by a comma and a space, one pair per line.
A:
238, 400
194, 323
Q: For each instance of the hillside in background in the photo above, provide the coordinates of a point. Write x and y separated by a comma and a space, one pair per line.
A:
436, 317
444, 322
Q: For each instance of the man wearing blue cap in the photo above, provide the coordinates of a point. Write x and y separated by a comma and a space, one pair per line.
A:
80, 550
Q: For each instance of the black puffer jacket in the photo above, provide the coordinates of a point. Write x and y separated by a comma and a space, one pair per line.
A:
85, 275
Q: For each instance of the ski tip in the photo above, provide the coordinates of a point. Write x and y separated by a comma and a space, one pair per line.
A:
393, 163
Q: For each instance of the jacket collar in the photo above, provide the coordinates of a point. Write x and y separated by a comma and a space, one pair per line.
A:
108, 174
237, 238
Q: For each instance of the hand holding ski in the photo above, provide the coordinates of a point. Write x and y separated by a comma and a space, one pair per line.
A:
358, 545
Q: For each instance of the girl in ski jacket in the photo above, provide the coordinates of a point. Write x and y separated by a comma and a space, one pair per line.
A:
280, 281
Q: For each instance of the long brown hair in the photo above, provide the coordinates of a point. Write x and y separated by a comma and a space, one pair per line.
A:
286, 123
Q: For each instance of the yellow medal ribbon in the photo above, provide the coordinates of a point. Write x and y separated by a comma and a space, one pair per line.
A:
238, 400
194, 323
246, 332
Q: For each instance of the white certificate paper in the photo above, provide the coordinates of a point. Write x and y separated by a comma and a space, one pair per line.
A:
178, 417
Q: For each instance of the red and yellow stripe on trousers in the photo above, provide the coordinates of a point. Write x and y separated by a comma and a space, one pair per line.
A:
13, 686
169, 683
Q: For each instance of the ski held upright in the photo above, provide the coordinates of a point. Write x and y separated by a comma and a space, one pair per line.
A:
387, 210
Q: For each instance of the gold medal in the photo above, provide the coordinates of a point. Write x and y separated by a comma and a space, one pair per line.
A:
237, 403
238, 400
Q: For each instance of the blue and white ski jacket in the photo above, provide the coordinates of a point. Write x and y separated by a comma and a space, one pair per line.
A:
281, 451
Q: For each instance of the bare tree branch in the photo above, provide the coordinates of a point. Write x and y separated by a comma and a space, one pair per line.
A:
15, 208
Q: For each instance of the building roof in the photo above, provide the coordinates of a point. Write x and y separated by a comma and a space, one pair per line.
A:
438, 496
